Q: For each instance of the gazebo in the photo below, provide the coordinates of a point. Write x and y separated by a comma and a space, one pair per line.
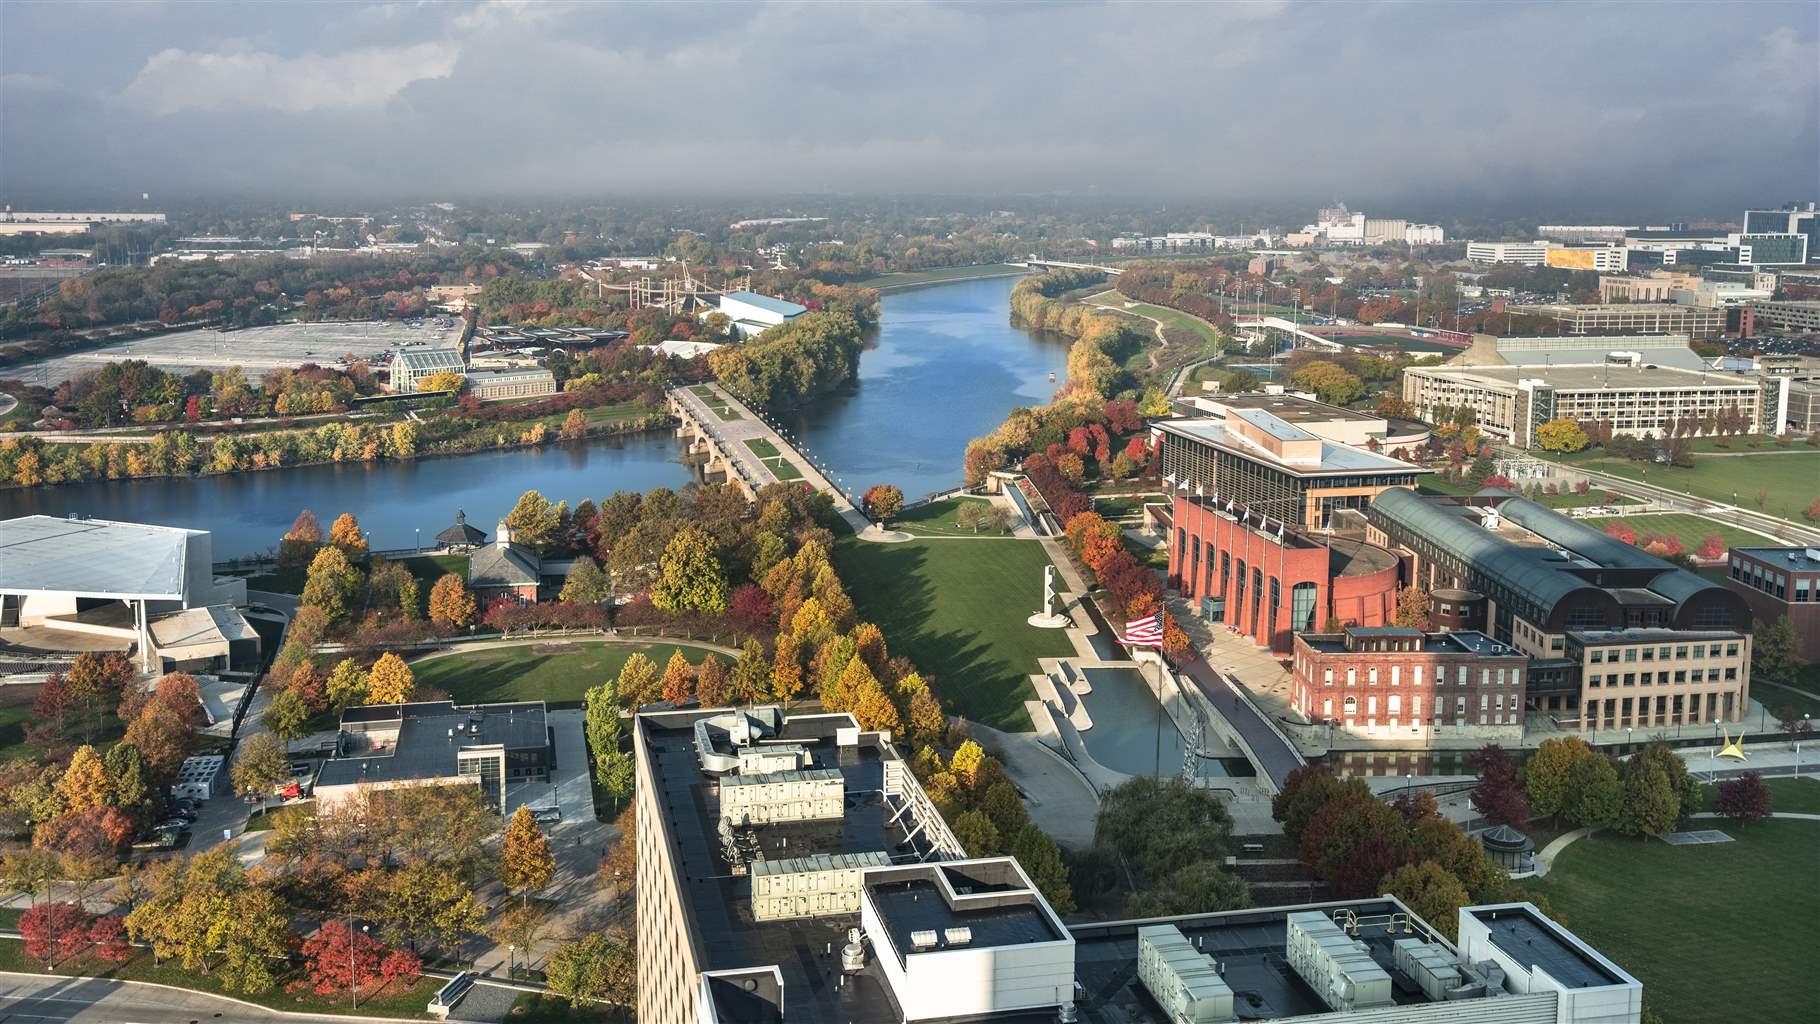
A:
461, 536
1513, 850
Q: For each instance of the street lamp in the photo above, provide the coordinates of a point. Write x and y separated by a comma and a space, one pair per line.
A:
417, 538
353, 972
511, 958
1409, 781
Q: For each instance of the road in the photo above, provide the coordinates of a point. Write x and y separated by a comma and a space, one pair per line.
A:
39, 999
1273, 754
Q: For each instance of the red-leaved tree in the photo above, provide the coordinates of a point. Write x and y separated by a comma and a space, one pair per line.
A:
1743, 799
1621, 530
54, 932
336, 956
1499, 794
1711, 546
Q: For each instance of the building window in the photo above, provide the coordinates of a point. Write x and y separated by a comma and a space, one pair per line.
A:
1396, 675
1351, 706
1352, 677
1327, 708
1301, 606
1731, 651
1418, 681
1327, 676
1371, 675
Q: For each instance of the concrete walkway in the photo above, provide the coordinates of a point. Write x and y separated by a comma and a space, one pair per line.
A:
1059, 800
1545, 858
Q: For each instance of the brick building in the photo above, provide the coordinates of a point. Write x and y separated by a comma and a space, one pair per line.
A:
1395, 683
1778, 582
1270, 580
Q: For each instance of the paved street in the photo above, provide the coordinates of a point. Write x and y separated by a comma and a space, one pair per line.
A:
37, 999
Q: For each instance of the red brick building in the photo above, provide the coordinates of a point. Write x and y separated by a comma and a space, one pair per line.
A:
1778, 583
1271, 581
1394, 683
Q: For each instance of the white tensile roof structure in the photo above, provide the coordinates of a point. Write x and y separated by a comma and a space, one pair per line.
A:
94, 558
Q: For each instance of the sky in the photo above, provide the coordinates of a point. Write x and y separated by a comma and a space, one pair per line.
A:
1710, 107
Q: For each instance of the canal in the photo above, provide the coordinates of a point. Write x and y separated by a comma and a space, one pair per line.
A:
944, 367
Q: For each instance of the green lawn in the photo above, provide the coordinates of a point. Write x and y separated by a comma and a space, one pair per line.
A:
16, 713
938, 275
1788, 479
1714, 932
1798, 796
1194, 325
1155, 557
1691, 529
763, 448
556, 672
427, 568
538, 1008
395, 1000
936, 519
783, 469
957, 609
1775, 697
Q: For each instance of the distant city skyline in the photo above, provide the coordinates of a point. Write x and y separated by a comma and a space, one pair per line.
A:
1588, 107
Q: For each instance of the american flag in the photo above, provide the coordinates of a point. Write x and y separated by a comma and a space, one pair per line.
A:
1144, 632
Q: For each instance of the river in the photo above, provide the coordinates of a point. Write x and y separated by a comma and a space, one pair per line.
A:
944, 367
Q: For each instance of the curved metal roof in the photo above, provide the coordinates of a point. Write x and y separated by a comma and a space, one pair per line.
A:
1579, 538
1518, 568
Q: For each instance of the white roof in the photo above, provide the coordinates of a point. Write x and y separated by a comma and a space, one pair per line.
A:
93, 558
194, 627
683, 349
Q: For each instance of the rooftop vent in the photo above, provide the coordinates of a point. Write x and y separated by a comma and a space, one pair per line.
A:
922, 939
957, 936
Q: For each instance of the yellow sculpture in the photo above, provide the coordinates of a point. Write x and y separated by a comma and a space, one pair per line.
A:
1732, 748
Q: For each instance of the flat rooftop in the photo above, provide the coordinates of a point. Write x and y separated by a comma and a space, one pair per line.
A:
1517, 932
94, 558
918, 904
1294, 409
1650, 636
1794, 559
1649, 377
1462, 642
719, 903
1335, 458
429, 737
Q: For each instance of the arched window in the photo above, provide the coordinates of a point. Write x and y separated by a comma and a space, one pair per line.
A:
1350, 707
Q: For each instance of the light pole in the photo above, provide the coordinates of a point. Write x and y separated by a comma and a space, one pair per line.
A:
417, 538
511, 958
353, 972
1409, 781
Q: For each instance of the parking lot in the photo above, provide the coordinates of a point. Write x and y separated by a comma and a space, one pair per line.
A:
255, 349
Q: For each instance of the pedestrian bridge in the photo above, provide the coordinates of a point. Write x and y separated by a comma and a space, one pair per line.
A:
1041, 264
1302, 339
737, 443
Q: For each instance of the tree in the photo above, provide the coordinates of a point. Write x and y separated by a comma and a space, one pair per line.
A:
54, 932
594, 969
1561, 435
574, 426
1412, 608
967, 761
1498, 796
1775, 654
98, 833
341, 959
390, 681
347, 685
331, 585
451, 605
585, 584
1041, 859
261, 765
978, 835
1548, 774
925, 721
786, 669
1306, 791
1743, 799
873, 710
1432, 892
127, 785
1595, 796
751, 673
163, 738
1622, 531
884, 501
639, 684
1712, 546
96, 681
1160, 826
679, 679
345, 534
522, 927
525, 862
206, 912
300, 542
430, 902
287, 715
690, 577
712, 689
1330, 381
531, 520
84, 782
1651, 806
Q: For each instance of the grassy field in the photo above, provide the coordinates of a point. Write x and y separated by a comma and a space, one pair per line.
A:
957, 609
1170, 317
557, 673
16, 713
780, 467
1714, 932
762, 448
1691, 529
1787, 479
1798, 796
715, 402
394, 1000
539, 1008
1433, 483
1775, 697
937, 520
941, 275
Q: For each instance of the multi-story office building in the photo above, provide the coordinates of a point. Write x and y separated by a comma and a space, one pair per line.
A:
1630, 318
1793, 317
1511, 402
1273, 468
1792, 219
835, 893
1396, 683
1791, 404
1567, 595
1424, 234
1656, 286
1529, 254
1781, 583
1777, 249
437, 743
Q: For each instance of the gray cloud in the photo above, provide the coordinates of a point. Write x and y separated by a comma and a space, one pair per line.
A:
1623, 102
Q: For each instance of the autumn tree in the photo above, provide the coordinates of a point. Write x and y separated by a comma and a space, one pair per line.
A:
1432, 892
84, 782
525, 861
96, 681
884, 501
1548, 775
441, 380
1743, 799
345, 534
639, 683
751, 678
678, 680
1498, 794
712, 688
390, 681
1306, 791
347, 685
261, 765
585, 584
574, 426
1712, 546
300, 542
1412, 608
613, 768
341, 959
451, 604
213, 918
287, 715
1561, 435
162, 737
532, 520
1775, 654
594, 969
690, 577
331, 585
786, 669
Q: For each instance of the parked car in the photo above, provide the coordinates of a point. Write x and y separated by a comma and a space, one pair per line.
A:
302, 770
172, 825
546, 815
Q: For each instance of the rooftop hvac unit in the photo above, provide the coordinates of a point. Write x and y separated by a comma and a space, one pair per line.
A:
1185, 982
957, 936
922, 939
1430, 965
1340, 969
853, 954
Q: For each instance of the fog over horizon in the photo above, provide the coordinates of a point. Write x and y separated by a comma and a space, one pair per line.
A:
1627, 108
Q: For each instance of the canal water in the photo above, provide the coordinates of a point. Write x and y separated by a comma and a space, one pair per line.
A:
944, 367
